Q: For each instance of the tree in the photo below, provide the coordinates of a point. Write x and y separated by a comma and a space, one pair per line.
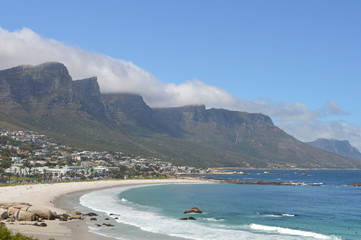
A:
17, 176
6, 162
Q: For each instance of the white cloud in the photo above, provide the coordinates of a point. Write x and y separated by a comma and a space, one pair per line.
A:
332, 108
309, 131
115, 75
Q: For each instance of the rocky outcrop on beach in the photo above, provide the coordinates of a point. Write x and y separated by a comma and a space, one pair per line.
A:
18, 211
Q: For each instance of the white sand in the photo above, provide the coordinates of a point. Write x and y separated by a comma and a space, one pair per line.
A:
44, 194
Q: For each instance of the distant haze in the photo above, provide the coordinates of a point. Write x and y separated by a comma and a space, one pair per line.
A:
115, 75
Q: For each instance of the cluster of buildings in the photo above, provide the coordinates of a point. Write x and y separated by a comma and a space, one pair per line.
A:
36, 157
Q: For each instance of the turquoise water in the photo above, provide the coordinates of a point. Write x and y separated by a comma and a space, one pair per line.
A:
231, 211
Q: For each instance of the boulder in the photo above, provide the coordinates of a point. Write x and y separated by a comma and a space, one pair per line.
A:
193, 210
56, 215
21, 206
3, 214
188, 218
41, 212
12, 204
91, 214
12, 211
108, 224
22, 215
75, 216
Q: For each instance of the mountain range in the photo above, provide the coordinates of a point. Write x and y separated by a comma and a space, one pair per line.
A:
46, 99
340, 147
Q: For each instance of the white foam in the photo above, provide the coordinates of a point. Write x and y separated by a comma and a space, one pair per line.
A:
107, 201
277, 215
214, 219
318, 183
287, 215
289, 231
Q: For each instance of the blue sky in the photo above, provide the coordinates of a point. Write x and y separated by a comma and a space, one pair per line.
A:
297, 61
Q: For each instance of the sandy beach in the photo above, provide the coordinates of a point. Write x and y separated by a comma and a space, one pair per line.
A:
48, 195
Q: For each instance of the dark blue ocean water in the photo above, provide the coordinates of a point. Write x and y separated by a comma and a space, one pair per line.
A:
232, 211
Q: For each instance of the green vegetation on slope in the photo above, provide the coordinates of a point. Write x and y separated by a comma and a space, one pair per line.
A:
6, 234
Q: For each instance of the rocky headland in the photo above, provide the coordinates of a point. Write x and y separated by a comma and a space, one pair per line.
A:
261, 182
355, 184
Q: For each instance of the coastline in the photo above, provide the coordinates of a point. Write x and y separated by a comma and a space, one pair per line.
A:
55, 196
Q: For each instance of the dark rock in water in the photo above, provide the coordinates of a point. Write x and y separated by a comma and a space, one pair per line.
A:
355, 185
116, 218
93, 219
188, 218
193, 210
98, 225
108, 224
91, 214
106, 219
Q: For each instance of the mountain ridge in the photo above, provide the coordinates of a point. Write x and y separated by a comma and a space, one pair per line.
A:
340, 147
45, 98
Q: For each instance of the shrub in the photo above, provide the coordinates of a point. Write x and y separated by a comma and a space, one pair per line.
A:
6, 234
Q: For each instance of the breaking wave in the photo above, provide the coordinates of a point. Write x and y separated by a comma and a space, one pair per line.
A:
288, 231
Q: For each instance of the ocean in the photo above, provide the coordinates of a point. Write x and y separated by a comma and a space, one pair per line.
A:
325, 207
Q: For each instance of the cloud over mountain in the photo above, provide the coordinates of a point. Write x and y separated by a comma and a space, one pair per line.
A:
116, 75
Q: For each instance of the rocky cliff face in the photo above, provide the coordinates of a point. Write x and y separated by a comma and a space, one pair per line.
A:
25, 83
45, 98
87, 94
48, 90
28, 90
340, 147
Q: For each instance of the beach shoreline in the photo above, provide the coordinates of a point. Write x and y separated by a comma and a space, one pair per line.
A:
55, 196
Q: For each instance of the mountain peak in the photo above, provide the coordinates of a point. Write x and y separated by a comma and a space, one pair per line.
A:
50, 67
341, 147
